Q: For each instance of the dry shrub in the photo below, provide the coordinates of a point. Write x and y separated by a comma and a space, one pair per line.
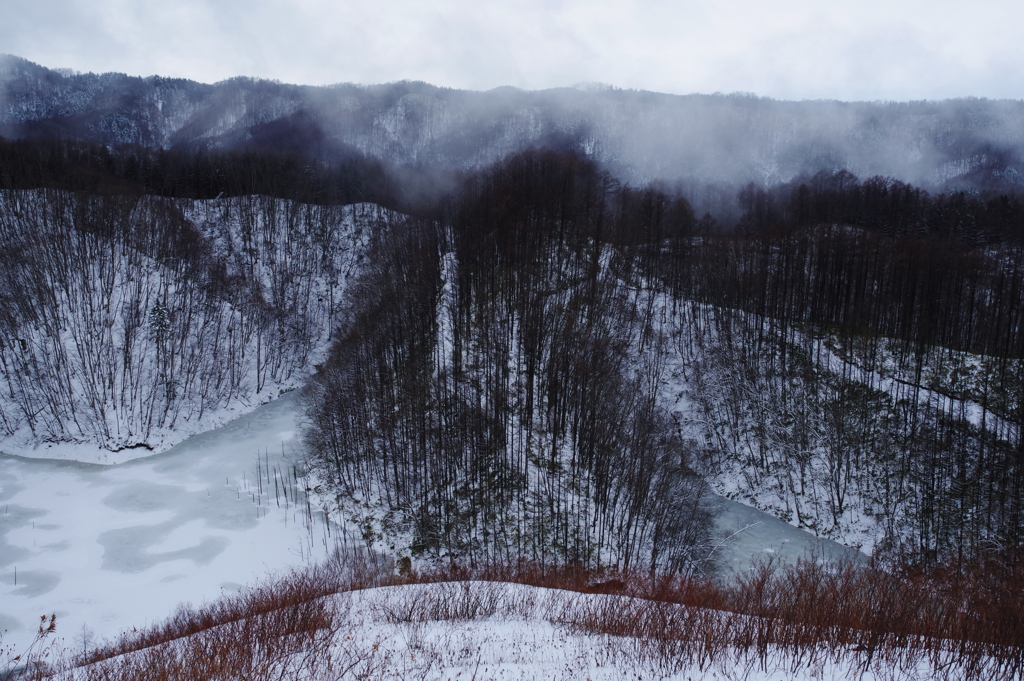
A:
446, 602
34, 662
282, 628
965, 623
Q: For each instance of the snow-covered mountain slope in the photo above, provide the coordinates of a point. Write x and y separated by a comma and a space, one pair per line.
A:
642, 136
131, 323
826, 442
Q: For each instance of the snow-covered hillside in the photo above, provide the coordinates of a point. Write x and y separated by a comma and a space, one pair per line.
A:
132, 323
495, 630
820, 439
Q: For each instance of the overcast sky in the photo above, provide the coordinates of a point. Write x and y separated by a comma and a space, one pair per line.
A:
792, 49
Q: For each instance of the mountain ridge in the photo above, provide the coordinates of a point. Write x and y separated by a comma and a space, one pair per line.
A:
695, 141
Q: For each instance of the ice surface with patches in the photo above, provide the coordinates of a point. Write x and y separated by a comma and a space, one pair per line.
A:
747, 536
115, 547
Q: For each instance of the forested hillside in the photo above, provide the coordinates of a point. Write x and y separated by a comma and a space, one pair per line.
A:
711, 145
858, 371
559, 360
129, 319
496, 396
535, 361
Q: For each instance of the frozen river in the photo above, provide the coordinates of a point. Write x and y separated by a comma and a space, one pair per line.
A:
109, 548
112, 547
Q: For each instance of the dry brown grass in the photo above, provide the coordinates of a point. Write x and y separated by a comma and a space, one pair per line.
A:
964, 624
282, 628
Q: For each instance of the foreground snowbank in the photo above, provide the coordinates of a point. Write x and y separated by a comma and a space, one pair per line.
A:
499, 630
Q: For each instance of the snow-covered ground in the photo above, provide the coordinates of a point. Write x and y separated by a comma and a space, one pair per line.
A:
109, 548
490, 631
512, 631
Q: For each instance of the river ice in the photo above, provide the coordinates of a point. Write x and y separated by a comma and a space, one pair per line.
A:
114, 547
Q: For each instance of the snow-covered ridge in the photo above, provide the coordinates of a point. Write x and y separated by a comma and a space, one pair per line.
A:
498, 630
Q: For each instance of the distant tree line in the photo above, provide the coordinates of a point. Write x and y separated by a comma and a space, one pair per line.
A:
885, 206
197, 173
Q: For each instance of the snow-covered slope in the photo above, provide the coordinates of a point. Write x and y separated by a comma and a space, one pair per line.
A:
494, 630
497, 631
131, 324
818, 442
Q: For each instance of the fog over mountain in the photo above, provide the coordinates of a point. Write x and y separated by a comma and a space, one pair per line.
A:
697, 141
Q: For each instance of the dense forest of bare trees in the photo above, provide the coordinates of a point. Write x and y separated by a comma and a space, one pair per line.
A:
853, 372
854, 353
496, 395
186, 174
126, 316
544, 365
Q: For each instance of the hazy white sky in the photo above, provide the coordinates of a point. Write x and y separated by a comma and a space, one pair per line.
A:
794, 49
